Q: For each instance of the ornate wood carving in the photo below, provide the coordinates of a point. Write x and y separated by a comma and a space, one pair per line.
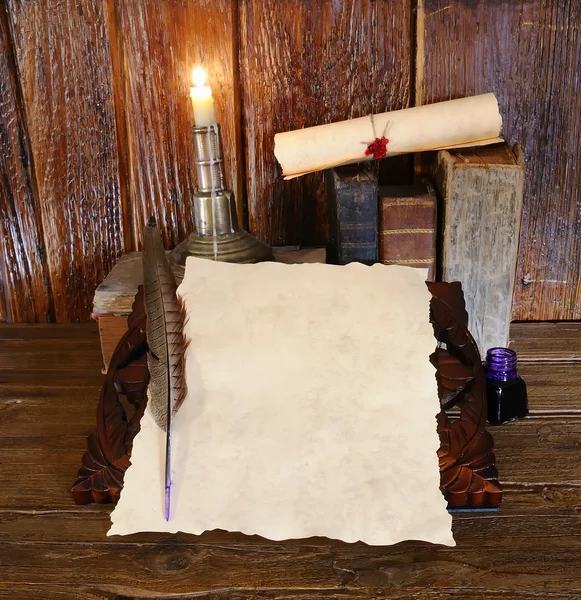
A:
100, 478
468, 475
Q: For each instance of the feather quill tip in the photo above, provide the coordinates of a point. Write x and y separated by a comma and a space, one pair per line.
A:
167, 501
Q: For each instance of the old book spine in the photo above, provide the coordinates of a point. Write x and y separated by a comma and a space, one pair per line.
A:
353, 219
482, 193
407, 226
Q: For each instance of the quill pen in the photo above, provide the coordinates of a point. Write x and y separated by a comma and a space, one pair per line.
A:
166, 342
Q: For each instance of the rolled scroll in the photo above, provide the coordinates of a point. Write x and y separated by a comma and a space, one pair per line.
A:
465, 122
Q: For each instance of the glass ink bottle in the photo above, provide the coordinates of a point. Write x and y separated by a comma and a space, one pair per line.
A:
506, 391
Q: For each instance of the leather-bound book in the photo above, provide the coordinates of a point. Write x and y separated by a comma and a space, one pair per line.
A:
407, 226
352, 205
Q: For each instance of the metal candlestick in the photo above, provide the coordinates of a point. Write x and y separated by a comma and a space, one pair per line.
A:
218, 235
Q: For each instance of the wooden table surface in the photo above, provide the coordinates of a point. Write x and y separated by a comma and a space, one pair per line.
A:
50, 548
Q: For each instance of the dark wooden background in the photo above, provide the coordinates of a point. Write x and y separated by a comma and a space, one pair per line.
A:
95, 117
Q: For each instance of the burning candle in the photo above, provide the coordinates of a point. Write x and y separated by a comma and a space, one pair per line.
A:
202, 100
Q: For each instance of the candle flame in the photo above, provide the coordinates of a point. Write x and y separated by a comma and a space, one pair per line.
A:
199, 76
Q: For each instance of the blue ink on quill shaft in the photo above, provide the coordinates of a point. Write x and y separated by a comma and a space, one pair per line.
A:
167, 501
168, 466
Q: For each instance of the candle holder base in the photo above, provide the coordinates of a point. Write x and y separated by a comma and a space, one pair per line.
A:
236, 247
218, 235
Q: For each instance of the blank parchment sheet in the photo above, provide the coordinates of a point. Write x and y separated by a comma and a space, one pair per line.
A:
311, 409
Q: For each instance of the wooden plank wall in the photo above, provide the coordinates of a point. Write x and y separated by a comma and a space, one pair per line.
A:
64, 67
528, 53
24, 283
158, 44
95, 118
320, 62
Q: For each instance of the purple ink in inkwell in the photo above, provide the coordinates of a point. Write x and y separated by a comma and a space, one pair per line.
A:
506, 391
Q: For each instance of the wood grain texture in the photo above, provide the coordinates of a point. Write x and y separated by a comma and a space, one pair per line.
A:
320, 62
546, 443
33, 331
539, 453
115, 295
25, 293
161, 43
84, 525
100, 592
482, 193
530, 549
546, 342
103, 592
62, 51
4, 316
528, 54
553, 390
111, 330
497, 556
539, 450
24, 409
18, 356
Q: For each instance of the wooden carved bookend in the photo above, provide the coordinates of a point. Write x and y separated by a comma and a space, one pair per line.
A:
468, 474
100, 478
